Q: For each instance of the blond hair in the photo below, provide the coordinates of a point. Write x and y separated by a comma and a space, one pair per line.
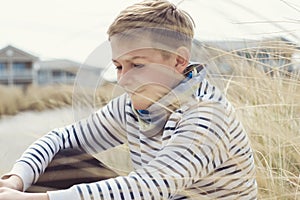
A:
153, 14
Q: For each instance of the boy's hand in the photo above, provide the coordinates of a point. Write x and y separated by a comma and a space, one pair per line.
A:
10, 194
13, 182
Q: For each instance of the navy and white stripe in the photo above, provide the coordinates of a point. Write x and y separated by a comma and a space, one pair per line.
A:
202, 153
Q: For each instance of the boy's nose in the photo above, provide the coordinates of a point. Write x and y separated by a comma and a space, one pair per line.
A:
125, 69
123, 76
129, 79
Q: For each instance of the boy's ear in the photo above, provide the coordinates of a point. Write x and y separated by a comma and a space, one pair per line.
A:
182, 59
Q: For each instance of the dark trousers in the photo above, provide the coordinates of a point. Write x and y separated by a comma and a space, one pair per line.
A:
70, 167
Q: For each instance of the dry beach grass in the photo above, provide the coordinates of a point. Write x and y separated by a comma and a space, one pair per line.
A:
269, 107
14, 99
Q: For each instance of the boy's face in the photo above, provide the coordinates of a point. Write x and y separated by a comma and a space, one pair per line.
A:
146, 74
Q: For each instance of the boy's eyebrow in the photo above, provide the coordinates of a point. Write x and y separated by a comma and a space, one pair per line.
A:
133, 58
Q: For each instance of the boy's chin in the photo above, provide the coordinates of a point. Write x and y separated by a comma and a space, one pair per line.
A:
140, 105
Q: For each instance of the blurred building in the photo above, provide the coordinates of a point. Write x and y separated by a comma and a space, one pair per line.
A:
269, 55
58, 71
17, 66
20, 68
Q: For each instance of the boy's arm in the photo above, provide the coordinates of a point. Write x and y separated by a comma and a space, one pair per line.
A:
10, 194
98, 132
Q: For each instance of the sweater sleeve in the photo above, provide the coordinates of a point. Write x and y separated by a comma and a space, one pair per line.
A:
100, 131
197, 146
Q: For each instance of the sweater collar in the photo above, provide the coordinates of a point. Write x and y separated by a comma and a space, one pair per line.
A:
153, 120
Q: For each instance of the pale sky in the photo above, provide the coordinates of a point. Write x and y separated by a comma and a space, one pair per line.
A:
72, 29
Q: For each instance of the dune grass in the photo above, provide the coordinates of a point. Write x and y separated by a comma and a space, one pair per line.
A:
269, 108
38, 98
14, 100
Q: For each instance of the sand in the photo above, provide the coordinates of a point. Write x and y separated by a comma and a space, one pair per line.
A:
17, 132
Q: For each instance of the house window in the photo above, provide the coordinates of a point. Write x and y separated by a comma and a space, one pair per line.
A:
57, 73
3, 69
19, 66
263, 57
70, 75
22, 69
2, 66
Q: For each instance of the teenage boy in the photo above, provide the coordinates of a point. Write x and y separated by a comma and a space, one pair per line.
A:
184, 139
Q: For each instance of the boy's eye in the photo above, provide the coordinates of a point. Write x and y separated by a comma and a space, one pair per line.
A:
118, 67
138, 65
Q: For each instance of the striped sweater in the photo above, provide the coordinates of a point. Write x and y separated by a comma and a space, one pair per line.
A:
202, 152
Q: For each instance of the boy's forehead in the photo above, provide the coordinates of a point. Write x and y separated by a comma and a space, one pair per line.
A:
122, 47
134, 55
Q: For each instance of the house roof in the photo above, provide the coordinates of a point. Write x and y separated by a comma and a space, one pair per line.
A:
278, 42
16, 54
59, 64
63, 64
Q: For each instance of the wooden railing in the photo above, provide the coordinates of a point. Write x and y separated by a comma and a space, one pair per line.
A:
16, 74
